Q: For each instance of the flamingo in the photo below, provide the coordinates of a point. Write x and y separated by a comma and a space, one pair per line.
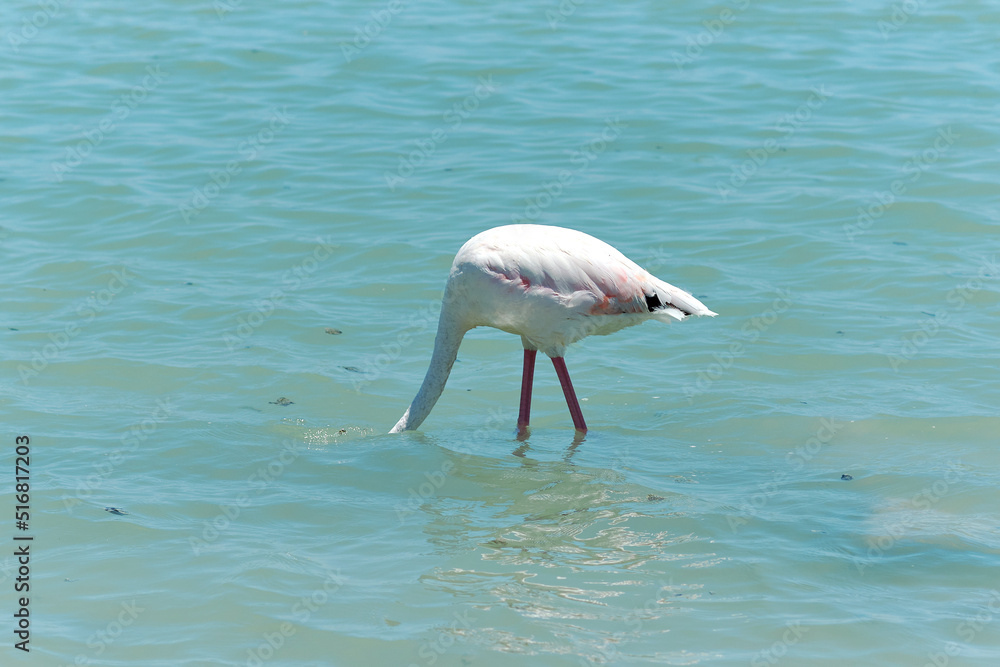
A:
552, 286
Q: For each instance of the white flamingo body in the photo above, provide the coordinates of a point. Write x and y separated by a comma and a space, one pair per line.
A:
550, 285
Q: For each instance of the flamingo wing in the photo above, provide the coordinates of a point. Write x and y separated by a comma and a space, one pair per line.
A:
582, 273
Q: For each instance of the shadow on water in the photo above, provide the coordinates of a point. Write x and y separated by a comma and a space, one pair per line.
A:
546, 490
523, 508
523, 436
567, 541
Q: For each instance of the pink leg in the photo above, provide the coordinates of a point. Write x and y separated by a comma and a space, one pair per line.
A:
527, 379
567, 386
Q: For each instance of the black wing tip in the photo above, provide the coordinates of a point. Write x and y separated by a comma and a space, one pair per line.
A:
653, 303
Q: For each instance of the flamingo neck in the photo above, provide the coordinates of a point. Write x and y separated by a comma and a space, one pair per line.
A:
449, 337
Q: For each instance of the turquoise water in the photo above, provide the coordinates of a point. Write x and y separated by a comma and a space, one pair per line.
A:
193, 193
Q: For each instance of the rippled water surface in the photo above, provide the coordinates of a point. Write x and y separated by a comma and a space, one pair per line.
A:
225, 230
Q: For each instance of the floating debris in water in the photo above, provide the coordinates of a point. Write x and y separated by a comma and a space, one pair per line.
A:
332, 331
847, 478
650, 498
281, 401
116, 510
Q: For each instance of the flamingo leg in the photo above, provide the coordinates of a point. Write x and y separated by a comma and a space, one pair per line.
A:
527, 379
567, 387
